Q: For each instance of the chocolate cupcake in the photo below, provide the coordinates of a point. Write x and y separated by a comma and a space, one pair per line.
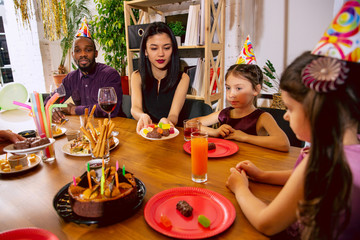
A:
211, 146
184, 208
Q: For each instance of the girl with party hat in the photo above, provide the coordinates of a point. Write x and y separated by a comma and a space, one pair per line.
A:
243, 121
320, 198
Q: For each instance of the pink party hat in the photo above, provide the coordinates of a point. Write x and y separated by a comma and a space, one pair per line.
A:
341, 39
247, 55
84, 29
340, 43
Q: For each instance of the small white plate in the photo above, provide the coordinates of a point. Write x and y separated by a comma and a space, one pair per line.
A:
63, 131
66, 149
10, 148
29, 166
176, 132
116, 140
95, 163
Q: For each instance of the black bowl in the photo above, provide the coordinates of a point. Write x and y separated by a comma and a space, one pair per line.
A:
28, 133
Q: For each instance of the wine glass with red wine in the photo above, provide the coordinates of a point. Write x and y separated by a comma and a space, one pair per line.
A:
107, 99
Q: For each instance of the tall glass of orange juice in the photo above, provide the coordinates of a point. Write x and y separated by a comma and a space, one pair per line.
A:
199, 156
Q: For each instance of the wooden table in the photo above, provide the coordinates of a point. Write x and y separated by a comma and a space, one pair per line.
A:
26, 198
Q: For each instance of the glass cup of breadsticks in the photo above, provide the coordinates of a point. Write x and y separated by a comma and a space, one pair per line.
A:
87, 118
99, 140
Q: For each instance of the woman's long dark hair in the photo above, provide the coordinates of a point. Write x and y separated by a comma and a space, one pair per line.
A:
145, 65
325, 210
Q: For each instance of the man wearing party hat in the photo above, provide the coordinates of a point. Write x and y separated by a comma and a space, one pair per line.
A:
321, 195
84, 83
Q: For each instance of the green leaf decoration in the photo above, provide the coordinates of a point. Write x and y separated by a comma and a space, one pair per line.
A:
270, 66
267, 83
268, 74
110, 32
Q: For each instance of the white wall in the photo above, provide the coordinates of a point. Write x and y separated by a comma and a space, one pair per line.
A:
308, 21
24, 50
280, 30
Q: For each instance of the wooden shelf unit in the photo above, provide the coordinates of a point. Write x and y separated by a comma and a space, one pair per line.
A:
210, 49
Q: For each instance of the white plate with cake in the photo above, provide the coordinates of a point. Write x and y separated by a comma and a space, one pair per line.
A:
12, 148
32, 161
85, 152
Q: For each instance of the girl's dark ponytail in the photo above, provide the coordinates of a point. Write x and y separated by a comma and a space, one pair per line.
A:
325, 210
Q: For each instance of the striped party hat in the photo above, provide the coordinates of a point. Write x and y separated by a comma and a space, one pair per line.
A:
339, 44
341, 39
247, 55
84, 29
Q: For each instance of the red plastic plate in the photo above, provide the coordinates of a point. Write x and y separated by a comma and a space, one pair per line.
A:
218, 209
224, 148
27, 234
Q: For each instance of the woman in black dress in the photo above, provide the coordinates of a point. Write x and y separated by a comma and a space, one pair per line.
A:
158, 88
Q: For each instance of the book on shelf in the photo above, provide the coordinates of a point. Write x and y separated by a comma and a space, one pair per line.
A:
192, 26
188, 28
202, 23
196, 74
195, 27
197, 86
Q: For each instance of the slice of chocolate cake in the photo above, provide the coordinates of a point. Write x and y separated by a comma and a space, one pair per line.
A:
22, 144
31, 142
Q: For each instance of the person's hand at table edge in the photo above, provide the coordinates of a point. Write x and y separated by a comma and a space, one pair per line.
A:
7, 137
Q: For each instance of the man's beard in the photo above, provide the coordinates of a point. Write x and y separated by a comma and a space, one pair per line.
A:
88, 68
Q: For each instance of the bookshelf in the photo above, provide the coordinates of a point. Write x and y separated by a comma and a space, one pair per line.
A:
213, 53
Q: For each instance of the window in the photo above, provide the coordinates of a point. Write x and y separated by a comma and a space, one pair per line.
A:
6, 72
4, 53
6, 75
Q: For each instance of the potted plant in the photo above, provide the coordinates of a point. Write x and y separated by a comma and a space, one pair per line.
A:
109, 32
271, 85
75, 11
178, 30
